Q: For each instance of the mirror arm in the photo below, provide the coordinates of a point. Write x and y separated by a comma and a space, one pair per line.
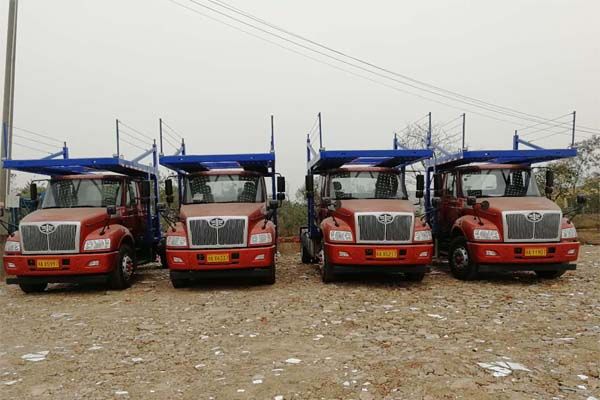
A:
106, 226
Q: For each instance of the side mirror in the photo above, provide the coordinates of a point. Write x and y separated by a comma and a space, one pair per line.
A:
280, 196
435, 202
437, 185
33, 192
169, 190
484, 205
309, 184
471, 201
581, 199
273, 204
281, 184
420, 186
549, 178
145, 189
111, 210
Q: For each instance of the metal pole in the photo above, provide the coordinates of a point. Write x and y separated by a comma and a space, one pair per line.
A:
516, 141
118, 149
463, 130
160, 134
573, 134
429, 132
9, 95
320, 133
272, 134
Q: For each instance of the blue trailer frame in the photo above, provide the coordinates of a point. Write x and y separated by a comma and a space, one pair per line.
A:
60, 164
322, 160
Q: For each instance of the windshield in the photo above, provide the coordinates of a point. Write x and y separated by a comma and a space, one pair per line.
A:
366, 185
499, 183
67, 193
228, 188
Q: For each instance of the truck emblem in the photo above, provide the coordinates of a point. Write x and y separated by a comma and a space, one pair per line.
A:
216, 223
534, 216
47, 229
385, 219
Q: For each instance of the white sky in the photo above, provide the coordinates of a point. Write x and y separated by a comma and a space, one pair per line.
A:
83, 63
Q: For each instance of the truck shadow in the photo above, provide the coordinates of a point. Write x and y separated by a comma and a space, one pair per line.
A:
507, 278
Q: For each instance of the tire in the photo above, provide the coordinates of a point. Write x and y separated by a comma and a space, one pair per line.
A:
179, 283
161, 251
271, 278
122, 274
33, 287
306, 258
549, 274
461, 263
327, 273
415, 276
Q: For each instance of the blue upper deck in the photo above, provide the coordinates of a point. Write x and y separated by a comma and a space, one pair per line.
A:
332, 159
258, 162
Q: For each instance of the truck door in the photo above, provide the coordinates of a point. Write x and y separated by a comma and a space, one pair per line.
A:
133, 216
450, 203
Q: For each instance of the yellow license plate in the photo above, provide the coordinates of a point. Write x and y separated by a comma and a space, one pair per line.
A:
47, 264
217, 258
540, 252
386, 253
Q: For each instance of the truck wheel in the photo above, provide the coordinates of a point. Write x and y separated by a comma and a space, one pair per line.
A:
415, 276
306, 257
462, 265
33, 287
549, 274
327, 273
270, 278
179, 283
120, 277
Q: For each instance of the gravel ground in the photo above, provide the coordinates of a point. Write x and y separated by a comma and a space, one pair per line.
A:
502, 337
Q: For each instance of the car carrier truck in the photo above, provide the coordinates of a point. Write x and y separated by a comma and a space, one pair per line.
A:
226, 222
488, 213
96, 222
362, 218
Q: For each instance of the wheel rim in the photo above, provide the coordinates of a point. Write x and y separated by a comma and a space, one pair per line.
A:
460, 258
127, 266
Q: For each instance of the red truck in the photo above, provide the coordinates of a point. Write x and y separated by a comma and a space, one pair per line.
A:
362, 218
97, 220
226, 222
488, 214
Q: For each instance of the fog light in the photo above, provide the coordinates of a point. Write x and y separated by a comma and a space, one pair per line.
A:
259, 257
94, 263
570, 252
490, 253
424, 254
10, 265
177, 260
343, 254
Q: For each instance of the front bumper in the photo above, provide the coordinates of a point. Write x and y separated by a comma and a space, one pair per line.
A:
514, 253
242, 258
408, 256
71, 267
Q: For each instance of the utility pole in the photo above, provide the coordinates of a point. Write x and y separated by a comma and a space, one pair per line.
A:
9, 94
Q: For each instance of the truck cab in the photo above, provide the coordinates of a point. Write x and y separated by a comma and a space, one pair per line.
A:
362, 218
493, 217
89, 227
226, 221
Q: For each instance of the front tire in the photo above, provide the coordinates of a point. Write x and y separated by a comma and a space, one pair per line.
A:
415, 276
179, 283
271, 277
306, 257
461, 263
33, 287
549, 274
327, 273
122, 274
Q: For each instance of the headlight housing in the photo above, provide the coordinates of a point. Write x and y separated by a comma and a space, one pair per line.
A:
176, 241
96, 244
12, 247
340, 236
261, 238
423, 236
486, 234
567, 233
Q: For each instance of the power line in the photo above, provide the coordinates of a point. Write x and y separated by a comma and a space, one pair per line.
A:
174, 132
133, 144
31, 147
454, 96
144, 135
37, 141
38, 134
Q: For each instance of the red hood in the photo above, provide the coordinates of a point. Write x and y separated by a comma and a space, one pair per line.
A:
500, 204
67, 214
376, 205
251, 210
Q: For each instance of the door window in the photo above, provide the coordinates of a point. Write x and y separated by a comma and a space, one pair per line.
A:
450, 185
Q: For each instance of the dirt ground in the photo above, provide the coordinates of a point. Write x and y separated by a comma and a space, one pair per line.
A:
368, 337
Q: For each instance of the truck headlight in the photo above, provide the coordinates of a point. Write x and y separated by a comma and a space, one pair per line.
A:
423, 236
567, 233
176, 241
261, 238
340, 236
12, 247
96, 244
486, 234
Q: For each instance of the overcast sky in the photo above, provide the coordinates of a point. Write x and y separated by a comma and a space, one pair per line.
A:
83, 63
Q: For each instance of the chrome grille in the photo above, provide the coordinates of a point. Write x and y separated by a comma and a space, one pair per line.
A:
233, 232
518, 228
64, 238
397, 228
